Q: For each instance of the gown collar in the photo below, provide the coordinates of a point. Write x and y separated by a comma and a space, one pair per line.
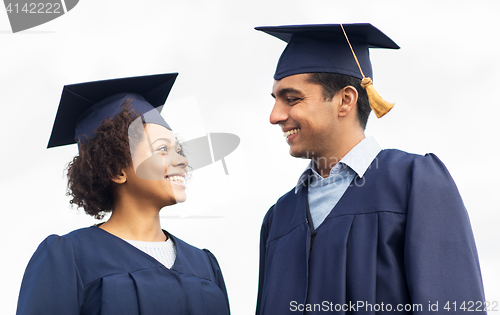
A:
358, 159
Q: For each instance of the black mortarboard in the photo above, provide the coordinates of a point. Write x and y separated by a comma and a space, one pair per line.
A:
84, 106
323, 48
333, 48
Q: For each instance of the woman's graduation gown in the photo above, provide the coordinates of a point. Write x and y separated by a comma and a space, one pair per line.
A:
399, 235
90, 271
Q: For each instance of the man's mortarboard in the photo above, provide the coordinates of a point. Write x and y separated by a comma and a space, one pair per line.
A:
328, 48
84, 106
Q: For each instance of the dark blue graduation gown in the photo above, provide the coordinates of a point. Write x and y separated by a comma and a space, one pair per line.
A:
399, 235
90, 271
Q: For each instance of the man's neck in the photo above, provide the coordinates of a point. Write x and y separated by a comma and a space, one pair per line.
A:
324, 164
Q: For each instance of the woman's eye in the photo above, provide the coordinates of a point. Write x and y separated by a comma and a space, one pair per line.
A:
163, 148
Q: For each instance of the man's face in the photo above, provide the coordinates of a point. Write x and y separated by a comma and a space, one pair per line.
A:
308, 121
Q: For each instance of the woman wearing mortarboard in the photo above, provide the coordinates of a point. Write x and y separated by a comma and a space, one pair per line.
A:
129, 164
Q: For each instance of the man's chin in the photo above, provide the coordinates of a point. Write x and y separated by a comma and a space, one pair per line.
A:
300, 154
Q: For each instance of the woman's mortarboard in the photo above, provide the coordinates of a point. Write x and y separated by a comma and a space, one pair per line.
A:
84, 106
326, 48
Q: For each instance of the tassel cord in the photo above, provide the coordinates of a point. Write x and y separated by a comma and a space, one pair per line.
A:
379, 106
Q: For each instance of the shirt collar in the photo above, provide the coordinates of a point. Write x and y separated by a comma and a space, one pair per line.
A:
358, 159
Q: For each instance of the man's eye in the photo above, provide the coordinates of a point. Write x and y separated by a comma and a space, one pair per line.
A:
292, 99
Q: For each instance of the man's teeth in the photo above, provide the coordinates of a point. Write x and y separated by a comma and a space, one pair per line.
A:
290, 132
177, 179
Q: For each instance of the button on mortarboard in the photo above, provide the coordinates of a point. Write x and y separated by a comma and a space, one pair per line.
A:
323, 48
84, 106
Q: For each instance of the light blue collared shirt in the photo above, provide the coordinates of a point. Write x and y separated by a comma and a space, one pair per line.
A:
324, 193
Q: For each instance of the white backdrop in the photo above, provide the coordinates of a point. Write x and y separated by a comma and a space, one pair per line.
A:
442, 81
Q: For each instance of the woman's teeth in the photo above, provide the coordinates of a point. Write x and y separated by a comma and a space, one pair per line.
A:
177, 179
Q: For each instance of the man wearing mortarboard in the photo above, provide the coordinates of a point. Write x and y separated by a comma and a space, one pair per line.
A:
364, 230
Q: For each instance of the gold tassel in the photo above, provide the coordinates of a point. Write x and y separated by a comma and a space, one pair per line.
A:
377, 103
379, 106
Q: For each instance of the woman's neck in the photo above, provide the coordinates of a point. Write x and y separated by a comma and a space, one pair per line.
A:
133, 222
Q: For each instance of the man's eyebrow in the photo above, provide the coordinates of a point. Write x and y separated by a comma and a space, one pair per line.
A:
286, 91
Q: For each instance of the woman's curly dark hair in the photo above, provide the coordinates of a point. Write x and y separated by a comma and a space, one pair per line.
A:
100, 159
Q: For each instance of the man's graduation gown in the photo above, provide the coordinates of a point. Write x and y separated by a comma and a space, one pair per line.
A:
90, 271
398, 235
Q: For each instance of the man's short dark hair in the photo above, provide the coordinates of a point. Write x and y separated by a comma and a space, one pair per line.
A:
334, 82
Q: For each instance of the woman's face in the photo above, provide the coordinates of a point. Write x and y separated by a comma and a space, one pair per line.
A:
159, 171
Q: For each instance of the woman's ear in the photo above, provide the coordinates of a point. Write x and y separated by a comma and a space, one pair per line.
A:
348, 100
120, 178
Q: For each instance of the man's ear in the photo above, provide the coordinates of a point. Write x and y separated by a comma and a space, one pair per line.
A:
348, 100
120, 178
